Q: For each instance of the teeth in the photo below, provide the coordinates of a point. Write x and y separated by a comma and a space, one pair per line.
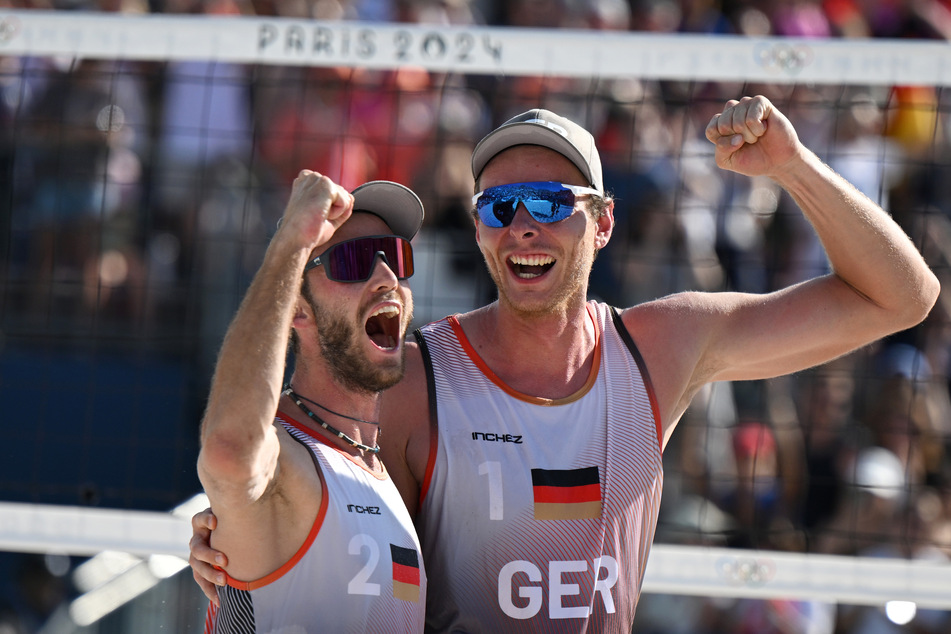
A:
532, 260
389, 311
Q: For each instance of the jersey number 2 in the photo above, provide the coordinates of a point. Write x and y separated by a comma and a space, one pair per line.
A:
360, 584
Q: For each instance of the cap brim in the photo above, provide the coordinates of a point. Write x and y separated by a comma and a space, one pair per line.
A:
398, 206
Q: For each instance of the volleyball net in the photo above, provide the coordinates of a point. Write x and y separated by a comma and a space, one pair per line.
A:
149, 158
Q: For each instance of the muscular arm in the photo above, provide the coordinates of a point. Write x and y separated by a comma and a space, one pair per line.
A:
239, 445
880, 283
892, 287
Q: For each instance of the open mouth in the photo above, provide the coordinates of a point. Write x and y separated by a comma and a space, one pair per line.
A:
530, 266
383, 327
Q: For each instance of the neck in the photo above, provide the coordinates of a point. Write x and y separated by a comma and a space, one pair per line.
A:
560, 331
543, 355
351, 423
317, 385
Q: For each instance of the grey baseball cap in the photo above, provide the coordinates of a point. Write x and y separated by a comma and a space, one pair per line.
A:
396, 204
547, 129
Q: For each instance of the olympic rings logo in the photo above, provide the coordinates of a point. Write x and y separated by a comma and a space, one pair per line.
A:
784, 58
746, 571
9, 29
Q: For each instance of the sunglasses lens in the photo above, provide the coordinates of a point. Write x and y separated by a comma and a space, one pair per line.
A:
544, 210
546, 202
502, 213
353, 261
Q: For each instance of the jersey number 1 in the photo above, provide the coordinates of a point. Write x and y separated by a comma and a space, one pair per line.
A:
493, 470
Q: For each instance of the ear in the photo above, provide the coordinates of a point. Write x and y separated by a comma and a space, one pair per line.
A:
604, 227
476, 225
302, 314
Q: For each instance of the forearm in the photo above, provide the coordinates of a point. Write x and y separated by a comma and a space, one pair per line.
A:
238, 443
866, 248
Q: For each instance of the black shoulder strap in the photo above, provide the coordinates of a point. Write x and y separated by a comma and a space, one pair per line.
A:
631, 346
625, 335
430, 377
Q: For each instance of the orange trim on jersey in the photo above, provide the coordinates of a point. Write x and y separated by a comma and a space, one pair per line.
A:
431, 461
535, 400
311, 536
645, 377
651, 396
211, 618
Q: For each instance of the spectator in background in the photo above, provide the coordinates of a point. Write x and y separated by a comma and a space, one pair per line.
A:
907, 412
825, 403
870, 511
755, 501
82, 161
204, 186
883, 516
313, 123
637, 145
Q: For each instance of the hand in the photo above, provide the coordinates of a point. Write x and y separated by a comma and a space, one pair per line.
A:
753, 138
203, 558
316, 208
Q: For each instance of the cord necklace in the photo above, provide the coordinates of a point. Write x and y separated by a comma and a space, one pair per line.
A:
288, 391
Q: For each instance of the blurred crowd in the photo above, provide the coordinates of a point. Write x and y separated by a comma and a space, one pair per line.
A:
140, 197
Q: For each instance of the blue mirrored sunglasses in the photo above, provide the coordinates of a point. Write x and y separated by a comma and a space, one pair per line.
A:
354, 260
546, 201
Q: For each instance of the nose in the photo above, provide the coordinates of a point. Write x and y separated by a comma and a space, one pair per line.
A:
382, 275
523, 224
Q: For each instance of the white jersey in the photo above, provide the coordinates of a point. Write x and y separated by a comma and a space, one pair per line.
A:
359, 570
538, 515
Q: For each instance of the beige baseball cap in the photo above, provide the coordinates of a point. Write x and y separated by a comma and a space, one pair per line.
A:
547, 129
398, 206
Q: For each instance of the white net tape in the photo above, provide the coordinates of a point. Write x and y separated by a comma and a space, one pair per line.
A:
476, 50
688, 570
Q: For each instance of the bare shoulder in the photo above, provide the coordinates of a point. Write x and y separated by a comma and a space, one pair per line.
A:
672, 334
261, 537
667, 317
669, 324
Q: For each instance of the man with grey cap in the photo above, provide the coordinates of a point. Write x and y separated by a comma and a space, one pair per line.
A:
527, 435
315, 530
539, 470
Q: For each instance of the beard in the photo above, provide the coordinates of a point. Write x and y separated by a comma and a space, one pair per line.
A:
342, 350
573, 285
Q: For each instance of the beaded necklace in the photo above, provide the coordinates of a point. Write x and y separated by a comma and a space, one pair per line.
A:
288, 391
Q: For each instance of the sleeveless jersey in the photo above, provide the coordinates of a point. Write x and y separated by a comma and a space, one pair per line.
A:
537, 515
359, 570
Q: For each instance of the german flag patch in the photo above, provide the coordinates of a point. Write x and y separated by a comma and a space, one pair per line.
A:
405, 573
567, 494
